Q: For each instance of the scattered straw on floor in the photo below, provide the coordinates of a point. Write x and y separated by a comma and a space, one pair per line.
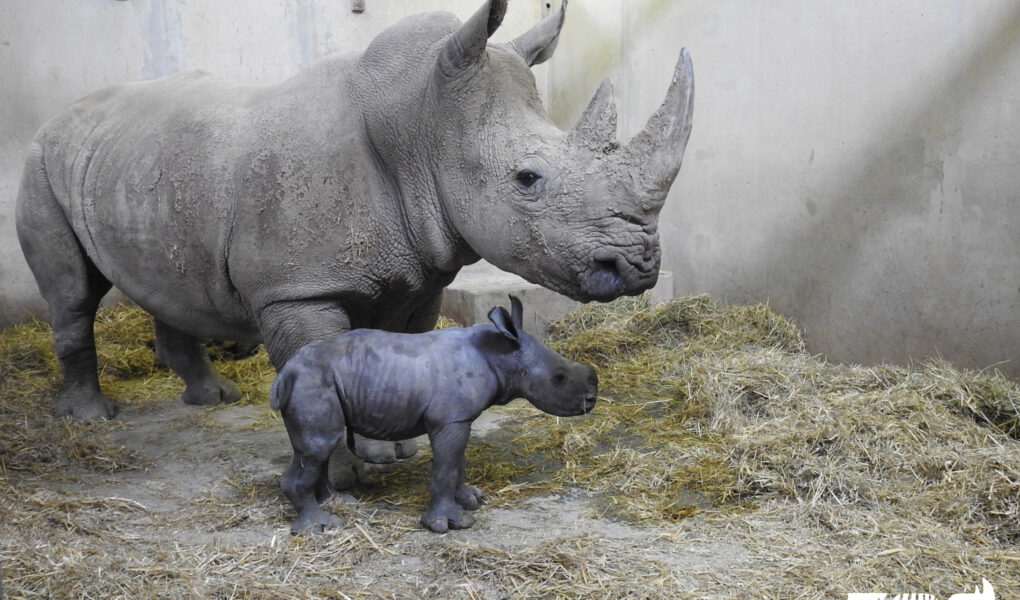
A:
714, 424
920, 462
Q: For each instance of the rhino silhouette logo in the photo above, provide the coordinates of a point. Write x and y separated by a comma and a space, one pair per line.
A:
987, 592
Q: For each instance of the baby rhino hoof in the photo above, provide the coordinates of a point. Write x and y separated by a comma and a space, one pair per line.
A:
441, 521
315, 522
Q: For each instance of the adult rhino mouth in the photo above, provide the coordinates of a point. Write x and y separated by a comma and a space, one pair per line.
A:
609, 277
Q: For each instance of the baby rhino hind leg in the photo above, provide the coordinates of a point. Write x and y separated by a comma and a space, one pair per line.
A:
315, 424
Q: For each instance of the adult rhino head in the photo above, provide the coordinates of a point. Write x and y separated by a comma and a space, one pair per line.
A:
574, 211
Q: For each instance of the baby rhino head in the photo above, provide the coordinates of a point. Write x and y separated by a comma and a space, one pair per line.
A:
547, 379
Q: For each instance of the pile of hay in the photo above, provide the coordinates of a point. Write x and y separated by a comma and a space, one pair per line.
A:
714, 424
32, 440
720, 408
894, 476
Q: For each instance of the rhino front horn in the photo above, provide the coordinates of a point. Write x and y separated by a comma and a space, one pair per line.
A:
658, 149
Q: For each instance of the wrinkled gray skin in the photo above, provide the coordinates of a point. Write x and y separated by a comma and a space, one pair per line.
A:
345, 197
391, 386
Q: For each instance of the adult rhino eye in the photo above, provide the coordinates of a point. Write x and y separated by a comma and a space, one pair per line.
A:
527, 177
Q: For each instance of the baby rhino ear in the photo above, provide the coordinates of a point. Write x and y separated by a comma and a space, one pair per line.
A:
504, 324
516, 312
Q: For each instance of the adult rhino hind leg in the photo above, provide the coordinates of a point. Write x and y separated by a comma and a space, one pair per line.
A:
187, 356
72, 287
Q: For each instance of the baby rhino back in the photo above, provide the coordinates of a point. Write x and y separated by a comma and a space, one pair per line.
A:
395, 385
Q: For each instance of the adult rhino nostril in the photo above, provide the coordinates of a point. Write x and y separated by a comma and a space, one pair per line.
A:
608, 266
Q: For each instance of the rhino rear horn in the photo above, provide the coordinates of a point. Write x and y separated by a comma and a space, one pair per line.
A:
658, 149
466, 46
538, 43
596, 128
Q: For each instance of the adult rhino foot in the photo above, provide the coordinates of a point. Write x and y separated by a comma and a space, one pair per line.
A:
212, 391
470, 497
324, 491
446, 516
344, 468
405, 448
379, 452
86, 405
315, 520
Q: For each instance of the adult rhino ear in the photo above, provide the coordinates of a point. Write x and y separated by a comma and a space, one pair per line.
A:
504, 324
539, 42
466, 46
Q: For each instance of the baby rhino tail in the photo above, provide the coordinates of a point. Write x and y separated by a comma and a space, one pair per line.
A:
283, 387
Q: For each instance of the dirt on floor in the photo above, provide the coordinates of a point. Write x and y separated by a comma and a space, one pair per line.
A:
205, 518
723, 461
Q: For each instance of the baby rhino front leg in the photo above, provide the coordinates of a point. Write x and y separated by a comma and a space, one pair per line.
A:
450, 498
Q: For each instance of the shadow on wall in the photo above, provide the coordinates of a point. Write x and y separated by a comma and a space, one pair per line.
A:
601, 47
888, 265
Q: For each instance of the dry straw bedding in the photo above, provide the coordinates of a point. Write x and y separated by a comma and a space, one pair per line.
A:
714, 423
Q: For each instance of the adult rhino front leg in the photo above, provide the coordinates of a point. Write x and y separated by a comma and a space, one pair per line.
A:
187, 356
380, 452
287, 327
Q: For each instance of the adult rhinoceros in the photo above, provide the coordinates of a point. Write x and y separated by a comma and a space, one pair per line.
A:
347, 196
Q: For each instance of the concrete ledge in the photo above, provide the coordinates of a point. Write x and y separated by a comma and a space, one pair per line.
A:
481, 286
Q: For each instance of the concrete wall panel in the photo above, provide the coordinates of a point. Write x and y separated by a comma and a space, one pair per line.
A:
857, 165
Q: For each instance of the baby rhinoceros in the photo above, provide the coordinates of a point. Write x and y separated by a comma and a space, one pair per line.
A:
394, 386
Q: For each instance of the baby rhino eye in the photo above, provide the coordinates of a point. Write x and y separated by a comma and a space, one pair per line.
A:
559, 378
527, 177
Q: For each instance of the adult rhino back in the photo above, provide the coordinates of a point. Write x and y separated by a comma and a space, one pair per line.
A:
154, 176
140, 180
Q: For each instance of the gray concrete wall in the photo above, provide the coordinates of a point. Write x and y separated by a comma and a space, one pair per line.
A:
854, 164
53, 52
857, 165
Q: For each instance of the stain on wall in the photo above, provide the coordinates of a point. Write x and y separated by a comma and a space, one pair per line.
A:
166, 46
